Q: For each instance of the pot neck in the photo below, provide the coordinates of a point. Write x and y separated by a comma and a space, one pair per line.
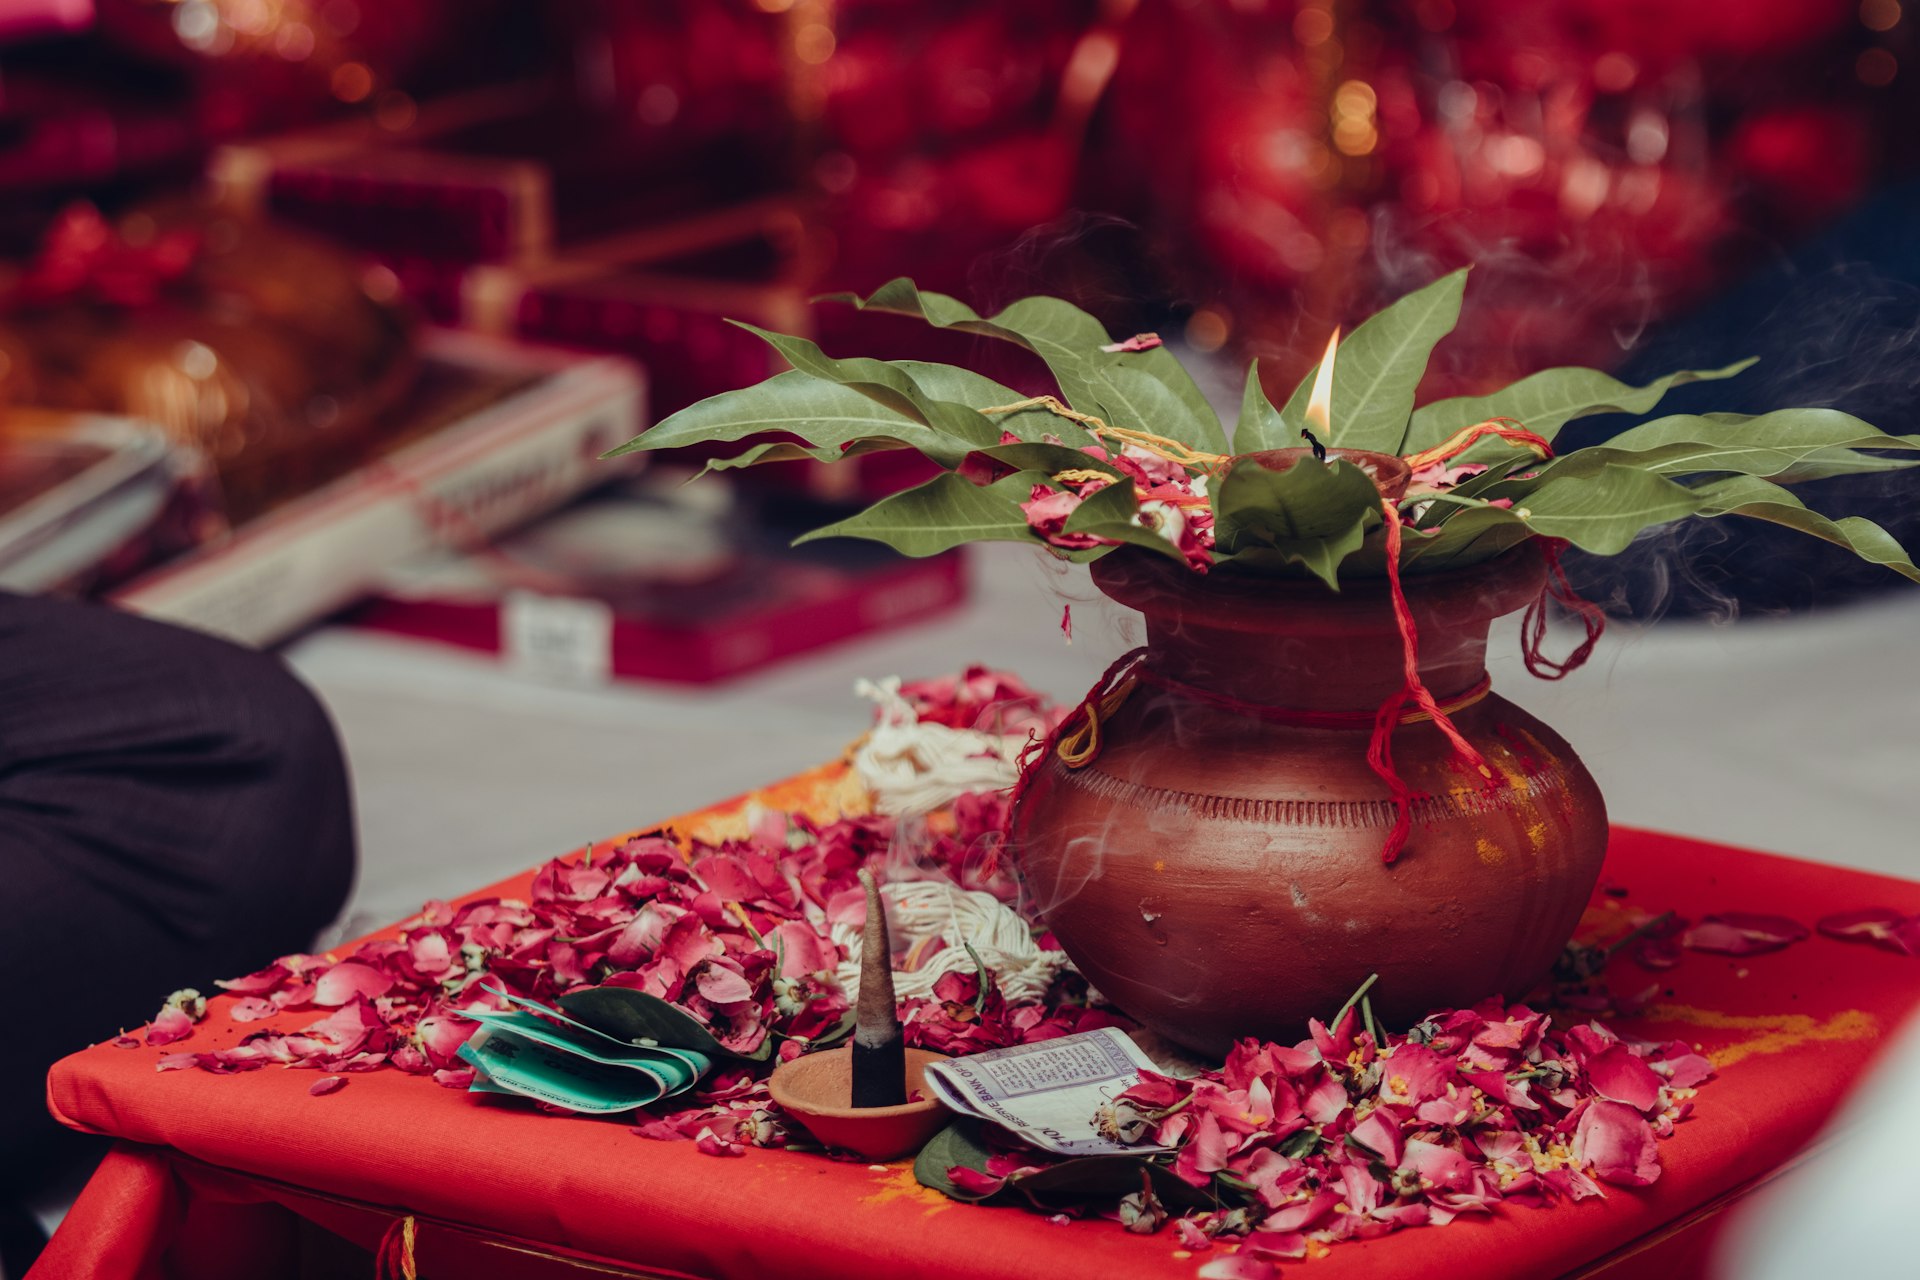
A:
1297, 645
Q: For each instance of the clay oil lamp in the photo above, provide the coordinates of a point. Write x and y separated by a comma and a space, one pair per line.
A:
870, 1097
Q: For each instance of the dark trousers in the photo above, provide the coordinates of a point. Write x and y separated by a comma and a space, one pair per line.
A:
173, 809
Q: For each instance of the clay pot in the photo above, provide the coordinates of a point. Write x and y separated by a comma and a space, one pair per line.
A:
1218, 876
817, 1090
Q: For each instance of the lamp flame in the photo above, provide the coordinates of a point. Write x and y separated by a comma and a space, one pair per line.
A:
1320, 403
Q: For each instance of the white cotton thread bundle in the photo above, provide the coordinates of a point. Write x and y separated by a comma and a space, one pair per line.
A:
915, 768
921, 909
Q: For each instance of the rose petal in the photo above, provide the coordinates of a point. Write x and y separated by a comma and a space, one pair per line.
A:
1881, 926
346, 980
974, 1182
332, 1084
251, 1009
169, 1025
1743, 934
1616, 1141
1622, 1075
1238, 1266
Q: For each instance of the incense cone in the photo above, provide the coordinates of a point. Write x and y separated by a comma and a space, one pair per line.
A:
879, 1050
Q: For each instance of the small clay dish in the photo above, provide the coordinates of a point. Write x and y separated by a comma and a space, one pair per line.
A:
817, 1090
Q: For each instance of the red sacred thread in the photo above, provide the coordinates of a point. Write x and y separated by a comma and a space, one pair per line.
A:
393, 1259
1505, 428
1533, 624
1380, 746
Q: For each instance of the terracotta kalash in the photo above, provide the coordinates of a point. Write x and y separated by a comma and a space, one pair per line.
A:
1209, 851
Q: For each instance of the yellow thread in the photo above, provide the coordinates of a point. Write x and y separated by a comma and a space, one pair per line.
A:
408, 1269
1160, 446
1459, 440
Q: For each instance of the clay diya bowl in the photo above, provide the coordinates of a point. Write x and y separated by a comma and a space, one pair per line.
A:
817, 1090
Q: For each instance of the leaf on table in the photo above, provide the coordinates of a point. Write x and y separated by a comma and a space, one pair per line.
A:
1378, 366
1312, 514
942, 514
635, 1017
1104, 1178
1544, 402
958, 1146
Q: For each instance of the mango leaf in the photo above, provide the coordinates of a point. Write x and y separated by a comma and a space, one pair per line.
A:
634, 1016
1767, 444
1050, 458
1601, 513
789, 451
1109, 513
1260, 426
964, 386
888, 384
1378, 366
1069, 340
1544, 402
941, 514
827, 415
1763, 500
1312, 514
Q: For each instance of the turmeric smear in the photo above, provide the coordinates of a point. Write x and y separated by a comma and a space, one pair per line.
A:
1774, 1032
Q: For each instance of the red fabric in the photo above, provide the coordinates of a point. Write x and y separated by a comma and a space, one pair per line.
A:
1794, 1029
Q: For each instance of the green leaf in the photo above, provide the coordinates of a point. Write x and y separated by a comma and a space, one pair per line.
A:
964, 386
1762, 500
634, 1016
1546, 401
1767, 444
1601, 513
887, 384
942, 514
1069, 340
827, 415
1312, 514
1260, 426
1110, 513
954, 1147
789, 451
1378, 367
1050, 458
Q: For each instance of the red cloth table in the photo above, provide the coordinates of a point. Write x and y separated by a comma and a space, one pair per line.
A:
245, 1175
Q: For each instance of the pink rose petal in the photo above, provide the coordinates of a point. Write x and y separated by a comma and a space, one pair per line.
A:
344, 981
332, 1084
169, 1025
1744, 934
1620, 1074
251, 1009
1239, 1266
1881, 926
1616, 1141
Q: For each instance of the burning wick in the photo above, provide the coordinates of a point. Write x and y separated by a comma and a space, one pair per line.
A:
1320, 402
879, 1050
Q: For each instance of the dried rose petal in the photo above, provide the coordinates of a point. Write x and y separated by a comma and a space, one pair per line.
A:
1744, 934
332, 1084
1881, 926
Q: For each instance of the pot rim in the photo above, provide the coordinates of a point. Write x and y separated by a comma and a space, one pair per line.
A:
1154, 585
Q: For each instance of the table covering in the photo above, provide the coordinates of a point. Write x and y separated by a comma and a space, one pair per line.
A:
246, 1175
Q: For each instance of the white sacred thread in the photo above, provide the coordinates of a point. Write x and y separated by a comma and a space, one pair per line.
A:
915, 768
922, 909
